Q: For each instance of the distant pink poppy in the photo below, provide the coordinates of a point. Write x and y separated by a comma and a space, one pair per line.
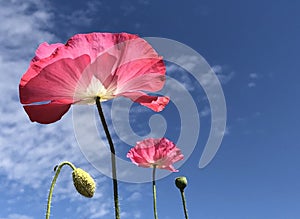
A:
160, 152
89, 65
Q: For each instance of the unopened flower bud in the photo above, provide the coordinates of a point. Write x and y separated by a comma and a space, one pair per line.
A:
181, 182
83, 183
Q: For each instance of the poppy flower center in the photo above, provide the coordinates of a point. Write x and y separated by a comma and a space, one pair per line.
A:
87, 94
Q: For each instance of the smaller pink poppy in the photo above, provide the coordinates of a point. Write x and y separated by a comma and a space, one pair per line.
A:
159, 152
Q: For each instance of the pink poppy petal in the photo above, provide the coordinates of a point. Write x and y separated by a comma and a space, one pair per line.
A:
160, 152
102, 68
149, 82
96, 43
171, 168
91, 44
169, 159
135, 57
45, 50
46, 113
125, 62
155, 103
139, 68
57, 81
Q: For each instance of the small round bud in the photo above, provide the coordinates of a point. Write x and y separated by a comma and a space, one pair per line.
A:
83, 183
181, 182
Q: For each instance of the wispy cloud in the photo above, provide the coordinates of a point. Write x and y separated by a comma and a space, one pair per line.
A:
251, 84
205, 111
253, 80
223, 74
134, 196
83, 16
127, 8
144, 2
180, 74
16, 216
253, 75
23, 26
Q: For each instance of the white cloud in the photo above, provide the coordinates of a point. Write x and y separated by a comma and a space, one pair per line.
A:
135, 196
23, 28
253, 75
227, 130
182, 76
144, 2
17, 216
127, 8
205, 112
251, 84
223, 77
137, 215
83, 16
207, 78
217, 68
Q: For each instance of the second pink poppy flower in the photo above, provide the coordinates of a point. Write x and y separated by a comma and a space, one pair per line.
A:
155, 152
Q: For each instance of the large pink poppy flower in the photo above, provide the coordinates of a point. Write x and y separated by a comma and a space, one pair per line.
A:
104, 65
160, 152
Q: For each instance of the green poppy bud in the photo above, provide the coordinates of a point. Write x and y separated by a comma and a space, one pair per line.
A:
83, 183
181, 182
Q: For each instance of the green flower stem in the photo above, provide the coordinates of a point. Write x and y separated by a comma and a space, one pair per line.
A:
184, 204
154, 192
113, 158
57, 169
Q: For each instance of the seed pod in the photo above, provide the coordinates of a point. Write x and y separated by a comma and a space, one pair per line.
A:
83, 183
181, 182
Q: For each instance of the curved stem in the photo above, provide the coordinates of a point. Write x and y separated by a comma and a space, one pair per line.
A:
184, 204
57, 169
154, 192
113, 158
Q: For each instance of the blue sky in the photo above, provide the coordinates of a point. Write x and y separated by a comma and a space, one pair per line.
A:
253, 46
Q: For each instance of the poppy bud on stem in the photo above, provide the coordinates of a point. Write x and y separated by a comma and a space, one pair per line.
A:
83, 183
181, 183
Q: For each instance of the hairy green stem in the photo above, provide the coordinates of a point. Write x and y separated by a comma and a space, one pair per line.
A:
57, 169
154, 192
184, 204
113, 158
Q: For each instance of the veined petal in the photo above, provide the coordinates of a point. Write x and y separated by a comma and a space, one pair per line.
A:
46, 113
149, 82
45, 50
92, 44
55, 82
134, 57
155, 103
102, 69
139, 68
